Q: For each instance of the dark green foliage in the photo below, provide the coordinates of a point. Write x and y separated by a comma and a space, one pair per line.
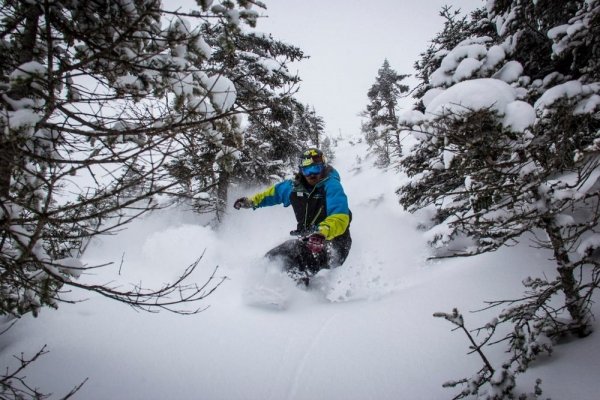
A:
457, 28
462, 139
528, 28
218, 154
272, 146
257, 65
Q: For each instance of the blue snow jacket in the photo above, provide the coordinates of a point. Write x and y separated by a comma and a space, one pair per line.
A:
322, 208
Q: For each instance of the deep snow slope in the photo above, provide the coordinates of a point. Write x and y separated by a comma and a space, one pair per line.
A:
366, 332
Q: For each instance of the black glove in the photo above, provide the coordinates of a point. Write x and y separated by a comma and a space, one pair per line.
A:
315, 243
243, 202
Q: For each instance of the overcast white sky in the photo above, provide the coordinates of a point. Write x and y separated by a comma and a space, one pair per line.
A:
347, 41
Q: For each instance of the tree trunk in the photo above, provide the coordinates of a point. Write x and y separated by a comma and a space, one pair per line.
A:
222, 187
573, 301
7, 156
398, 144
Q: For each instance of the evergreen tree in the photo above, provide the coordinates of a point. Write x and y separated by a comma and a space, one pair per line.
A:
272, 147
264, 93
308, 126
528, 163
326, 147
316, 127
381, 129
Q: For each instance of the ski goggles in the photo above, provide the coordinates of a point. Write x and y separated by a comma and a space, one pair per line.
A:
314, 169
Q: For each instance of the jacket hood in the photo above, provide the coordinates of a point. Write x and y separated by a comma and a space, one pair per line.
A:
331, 174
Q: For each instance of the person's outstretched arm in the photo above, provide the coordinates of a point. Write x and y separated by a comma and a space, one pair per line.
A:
276, 194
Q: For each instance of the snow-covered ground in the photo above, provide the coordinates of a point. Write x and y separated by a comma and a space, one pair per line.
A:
366, 333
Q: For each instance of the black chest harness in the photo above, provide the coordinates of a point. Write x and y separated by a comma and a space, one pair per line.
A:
310, 206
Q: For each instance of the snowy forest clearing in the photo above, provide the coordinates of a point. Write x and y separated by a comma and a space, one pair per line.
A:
370, 336
111, 110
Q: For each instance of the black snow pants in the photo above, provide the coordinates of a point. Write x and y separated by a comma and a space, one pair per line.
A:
301, 264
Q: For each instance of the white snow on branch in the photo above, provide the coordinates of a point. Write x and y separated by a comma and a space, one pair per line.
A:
222, 91
472, 95
571, 90
518, 115
23, 118
27, 70
70, 266
589, 244
410, 118
510, 72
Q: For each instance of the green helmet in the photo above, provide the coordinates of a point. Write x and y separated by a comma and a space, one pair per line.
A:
312, 156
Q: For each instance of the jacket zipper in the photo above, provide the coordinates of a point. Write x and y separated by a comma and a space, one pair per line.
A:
316, 216
306, 210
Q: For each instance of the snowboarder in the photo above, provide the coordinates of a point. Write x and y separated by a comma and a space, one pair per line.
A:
322, 214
